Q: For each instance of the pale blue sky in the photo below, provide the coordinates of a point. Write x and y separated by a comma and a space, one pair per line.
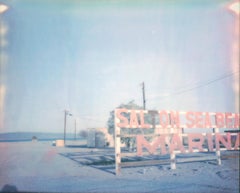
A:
91, 56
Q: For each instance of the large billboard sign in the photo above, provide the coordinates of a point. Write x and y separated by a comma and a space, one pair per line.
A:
135, 119
167, 136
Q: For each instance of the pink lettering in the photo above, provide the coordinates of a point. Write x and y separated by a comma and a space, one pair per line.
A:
176, 144
198, 142
141, 142
226, 143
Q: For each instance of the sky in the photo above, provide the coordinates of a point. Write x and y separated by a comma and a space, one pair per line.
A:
91, 56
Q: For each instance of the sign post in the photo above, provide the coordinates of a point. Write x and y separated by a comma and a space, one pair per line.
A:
117, 145
171, 138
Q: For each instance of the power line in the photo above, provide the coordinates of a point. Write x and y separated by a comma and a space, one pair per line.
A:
200, 85
206, 82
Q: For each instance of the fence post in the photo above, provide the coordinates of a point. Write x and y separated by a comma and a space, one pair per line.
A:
182, 136
218, 152
117, 145
172, 155
173, 160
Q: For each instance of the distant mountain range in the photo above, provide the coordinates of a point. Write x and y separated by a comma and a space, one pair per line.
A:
27, 136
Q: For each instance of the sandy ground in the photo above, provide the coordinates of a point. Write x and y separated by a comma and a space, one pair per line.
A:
41, 167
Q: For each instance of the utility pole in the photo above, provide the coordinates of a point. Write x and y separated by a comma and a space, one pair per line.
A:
144, 100
66, 112
65, 124
75, 129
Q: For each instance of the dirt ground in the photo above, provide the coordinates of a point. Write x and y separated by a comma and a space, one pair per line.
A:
41, 167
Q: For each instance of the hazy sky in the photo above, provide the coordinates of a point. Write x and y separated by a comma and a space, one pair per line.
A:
91, 56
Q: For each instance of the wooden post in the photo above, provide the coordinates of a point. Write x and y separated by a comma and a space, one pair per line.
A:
172, 155
75, 135
218, 152
65, 125
181, 132
117, 145
144, 100
173, 160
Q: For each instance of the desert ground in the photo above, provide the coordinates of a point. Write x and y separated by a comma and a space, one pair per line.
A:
41, 167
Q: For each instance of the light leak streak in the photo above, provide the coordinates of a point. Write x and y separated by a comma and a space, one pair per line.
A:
2, 99
234, 7
3, 8
3, 62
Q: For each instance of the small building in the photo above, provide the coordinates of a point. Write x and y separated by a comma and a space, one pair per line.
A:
34, 139
99, 137
91, 141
